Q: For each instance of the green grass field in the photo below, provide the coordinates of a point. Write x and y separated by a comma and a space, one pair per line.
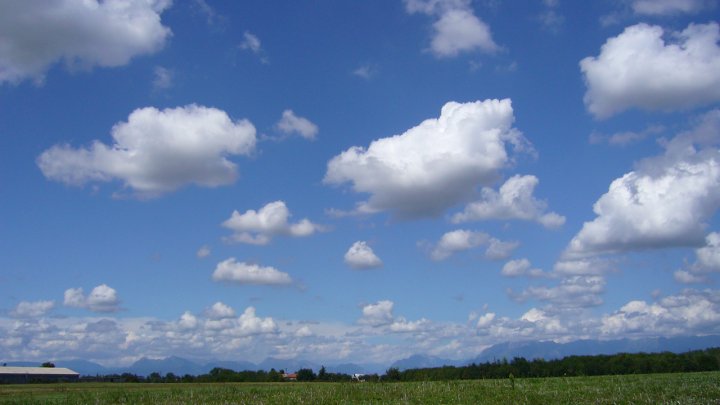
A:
687, 388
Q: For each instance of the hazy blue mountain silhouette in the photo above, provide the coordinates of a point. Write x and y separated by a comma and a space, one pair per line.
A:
287, 365
551, 350
529, 350
232, 365
176, 365
423, 361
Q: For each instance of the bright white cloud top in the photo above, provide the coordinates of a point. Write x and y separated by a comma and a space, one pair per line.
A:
461, 239
158, 151
707, 261
101, 299
232, 271
514, 200
258, 227
81, 34
361, 256
520, 267
434, 165
665, 202
377, 314
34, 309
640, 69
219, 310
456, 30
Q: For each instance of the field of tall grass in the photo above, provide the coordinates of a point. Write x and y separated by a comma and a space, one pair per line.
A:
683, 388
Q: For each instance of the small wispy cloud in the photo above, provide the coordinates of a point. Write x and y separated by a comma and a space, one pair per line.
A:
163, 78
252, 43
366, 72
293, 124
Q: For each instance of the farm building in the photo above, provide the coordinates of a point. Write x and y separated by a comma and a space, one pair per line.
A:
289, 376
21, 375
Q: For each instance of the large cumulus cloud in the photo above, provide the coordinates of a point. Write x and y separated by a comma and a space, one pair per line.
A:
434, 165
37, 34
158, 151
666, 201
645, 67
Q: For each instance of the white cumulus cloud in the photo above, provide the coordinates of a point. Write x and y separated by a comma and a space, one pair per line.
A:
485, 320
292, 124
520, 267
640, 69
688, 277
251, 324
378, 314
361, 256
461, 239
101, 299
708, 256
688, 312
571, 292
665, 202
231, 270
158, 151
456, 28
188, 321
400, 325
434, 165
82, 34
500, 250
303, 332
457, 241
514, 200
543, 321
589, 266
707, 261
668, 7
26, 309
649, 210
259, 227
219, 310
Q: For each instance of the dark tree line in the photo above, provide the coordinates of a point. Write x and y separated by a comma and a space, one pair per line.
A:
219, 374
622, 363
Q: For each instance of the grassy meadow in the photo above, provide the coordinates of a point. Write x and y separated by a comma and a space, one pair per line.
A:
682, 388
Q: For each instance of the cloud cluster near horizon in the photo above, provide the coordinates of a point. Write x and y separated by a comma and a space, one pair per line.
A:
467, 169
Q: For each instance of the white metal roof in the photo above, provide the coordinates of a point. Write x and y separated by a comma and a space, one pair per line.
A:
38, 370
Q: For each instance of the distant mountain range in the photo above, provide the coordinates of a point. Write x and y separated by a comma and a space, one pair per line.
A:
529, 350
423, 361
180, 366
550, 350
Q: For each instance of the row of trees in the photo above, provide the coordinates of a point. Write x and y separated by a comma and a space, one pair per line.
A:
220, 374
623, 363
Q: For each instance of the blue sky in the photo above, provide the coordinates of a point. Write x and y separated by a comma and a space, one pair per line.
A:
354, 181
